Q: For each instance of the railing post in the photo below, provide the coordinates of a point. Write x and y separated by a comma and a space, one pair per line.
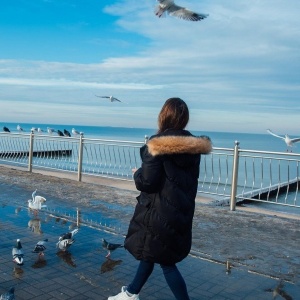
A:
235, 171
30, 154
80, 152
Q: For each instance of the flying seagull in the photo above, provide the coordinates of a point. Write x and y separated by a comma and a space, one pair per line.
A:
289, 142
111, 98
110, 246
168, 6
10, 295
17, 253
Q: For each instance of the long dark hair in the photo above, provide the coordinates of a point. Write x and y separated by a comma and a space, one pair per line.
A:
173, 115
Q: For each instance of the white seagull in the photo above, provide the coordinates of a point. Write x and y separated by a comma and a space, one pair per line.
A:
111, 98
177, 11
17, 253
50, 130
19, 128
289, 142
36, 202
40, 130
76, 132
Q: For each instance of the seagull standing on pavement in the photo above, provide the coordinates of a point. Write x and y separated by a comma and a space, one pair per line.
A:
17, 253
289, 142
168, 6
110, 246
111, 98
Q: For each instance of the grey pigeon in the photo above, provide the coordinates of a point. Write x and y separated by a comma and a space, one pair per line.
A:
10, 295
65, 244
68, 235
17, 253
110, 246
40, 247
5, 129
60, 133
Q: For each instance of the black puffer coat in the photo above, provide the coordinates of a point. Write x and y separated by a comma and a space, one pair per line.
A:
160, 230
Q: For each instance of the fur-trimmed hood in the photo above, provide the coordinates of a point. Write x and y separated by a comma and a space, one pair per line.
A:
174, 144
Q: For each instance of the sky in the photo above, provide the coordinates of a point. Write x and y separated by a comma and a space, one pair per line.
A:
238, 70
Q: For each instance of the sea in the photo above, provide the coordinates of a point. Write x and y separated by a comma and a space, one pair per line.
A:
248, 141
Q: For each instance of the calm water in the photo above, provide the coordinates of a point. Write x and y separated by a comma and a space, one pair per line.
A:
265, 142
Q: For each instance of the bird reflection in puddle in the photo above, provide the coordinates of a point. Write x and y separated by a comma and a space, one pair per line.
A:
109, 264
67, 258
35, 226
279, 291
18, 272
39, 263
17, 210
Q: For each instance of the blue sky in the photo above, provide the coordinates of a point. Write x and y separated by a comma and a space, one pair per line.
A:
238, 70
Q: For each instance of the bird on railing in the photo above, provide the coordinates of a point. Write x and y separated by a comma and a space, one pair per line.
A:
168, 6
19, 128
67, 133
40, 130
289, 142
50, 130
5, 129
60, 133
76, 132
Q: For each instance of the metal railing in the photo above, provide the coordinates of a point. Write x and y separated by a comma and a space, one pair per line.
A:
229, 175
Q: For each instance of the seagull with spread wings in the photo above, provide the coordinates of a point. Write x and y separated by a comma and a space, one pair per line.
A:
111, 98
168, 6
289, 142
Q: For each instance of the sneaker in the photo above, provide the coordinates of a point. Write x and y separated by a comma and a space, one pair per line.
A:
124, 296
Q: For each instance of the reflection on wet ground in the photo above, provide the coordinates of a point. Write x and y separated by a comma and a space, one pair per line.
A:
84, 272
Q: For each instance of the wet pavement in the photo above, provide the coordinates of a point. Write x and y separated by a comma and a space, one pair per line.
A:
85, 273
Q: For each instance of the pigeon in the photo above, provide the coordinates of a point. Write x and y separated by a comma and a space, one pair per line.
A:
111, 98
65, 244
289, 142
60, 133
177, 11
19, 128
5, 129
17, 253
10, 295
68, 235
110, 246
67, 133
36, 203
40, 247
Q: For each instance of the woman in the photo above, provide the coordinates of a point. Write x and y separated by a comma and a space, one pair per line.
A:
160, 230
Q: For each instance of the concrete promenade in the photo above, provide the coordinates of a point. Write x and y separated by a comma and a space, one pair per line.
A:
247, 254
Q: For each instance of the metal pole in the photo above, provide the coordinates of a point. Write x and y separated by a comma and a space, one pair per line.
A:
80, 152
30, 154
235, 170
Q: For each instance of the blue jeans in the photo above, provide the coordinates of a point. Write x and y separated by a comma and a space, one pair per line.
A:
171, 273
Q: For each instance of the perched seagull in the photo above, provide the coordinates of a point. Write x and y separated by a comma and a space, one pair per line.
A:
19, 128
68, 235
10, 295
110, 247
67, 133
5, 129
40, 247
60, 133
40, 130
33, 129
17, 253
111, 98
50, 130
289, 142
76, 132
36, 202
177, 11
